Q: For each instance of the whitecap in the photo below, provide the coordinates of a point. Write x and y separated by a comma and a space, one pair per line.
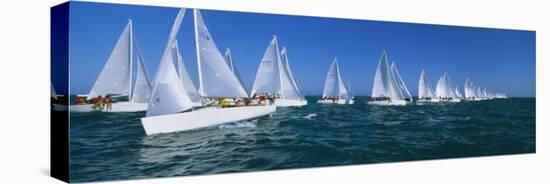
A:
242, 124
309, 116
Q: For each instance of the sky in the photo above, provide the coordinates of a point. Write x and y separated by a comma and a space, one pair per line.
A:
497, 59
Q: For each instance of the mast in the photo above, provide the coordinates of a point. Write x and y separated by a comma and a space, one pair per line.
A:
130, 60
197, 48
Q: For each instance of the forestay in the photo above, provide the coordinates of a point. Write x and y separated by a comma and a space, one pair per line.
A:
116, 76
169, 96
215, 77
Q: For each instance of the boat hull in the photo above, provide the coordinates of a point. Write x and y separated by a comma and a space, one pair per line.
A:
290, 103
387, 102
428, 101
116, 107
340, 101
202, 118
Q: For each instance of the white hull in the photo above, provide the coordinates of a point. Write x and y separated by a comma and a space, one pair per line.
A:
290, 103
202, 118
428, 101
451, 100
387, 102
340, 101
116, 107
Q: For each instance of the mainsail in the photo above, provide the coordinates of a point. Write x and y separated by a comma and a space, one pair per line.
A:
381, 78
425, 89
385, 84
116, 76
268, 78
334, 85
215, 77
274, 75
443, 88
142, 86
169, 96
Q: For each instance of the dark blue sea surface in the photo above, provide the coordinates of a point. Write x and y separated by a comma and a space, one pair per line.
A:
113, 146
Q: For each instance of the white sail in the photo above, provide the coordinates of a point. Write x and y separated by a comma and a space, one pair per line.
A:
116, 76
52, 92
268, 78
215, 77
334, 85
381, 78
399, 79
348, 87
443, 89
467, 89
184, 76
425, 89
142, 86
229, 61
169, 96
395, 89
457, 93
284, 59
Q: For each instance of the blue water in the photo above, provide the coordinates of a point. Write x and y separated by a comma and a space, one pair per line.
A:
113, 146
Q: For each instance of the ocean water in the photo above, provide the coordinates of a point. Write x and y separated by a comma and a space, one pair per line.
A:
113, 146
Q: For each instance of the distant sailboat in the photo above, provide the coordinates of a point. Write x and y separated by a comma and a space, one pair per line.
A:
274, 77
171, 107
425, 90
385, 90
402, 86
335, 91
115, 80
444, 91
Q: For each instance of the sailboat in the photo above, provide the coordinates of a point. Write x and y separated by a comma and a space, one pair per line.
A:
425, 90
386, 90
444, 91
115, 79
275, 78
400, 83
171, 108
335, 91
